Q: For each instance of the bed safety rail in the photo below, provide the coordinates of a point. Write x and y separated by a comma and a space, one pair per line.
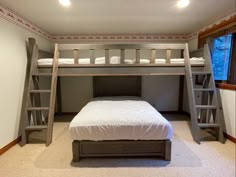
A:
122, 47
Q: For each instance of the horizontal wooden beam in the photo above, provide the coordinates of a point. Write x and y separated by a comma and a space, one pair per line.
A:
120, 46
120, 71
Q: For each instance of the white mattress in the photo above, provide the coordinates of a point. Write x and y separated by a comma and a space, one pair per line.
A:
119, 120
116, 60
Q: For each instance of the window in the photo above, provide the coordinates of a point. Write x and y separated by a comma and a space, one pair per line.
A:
222, 40
221, 55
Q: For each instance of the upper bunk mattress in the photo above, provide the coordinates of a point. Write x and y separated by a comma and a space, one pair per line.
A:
119, 120
116, 60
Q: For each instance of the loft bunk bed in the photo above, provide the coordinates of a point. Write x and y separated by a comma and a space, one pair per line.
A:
122, 66
203, 115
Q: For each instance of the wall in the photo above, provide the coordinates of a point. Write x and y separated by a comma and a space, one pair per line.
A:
228, 98
192, 44
13, 59
228, 102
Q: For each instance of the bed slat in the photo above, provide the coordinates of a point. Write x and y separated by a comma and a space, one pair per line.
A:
76, 56
122, 56
168, 55
138, 56
92, 57
107, 56
153, 56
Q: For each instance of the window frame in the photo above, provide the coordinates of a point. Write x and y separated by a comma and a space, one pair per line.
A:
224, 28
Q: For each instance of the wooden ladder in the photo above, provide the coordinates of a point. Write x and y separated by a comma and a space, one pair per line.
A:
33, 119
208, 114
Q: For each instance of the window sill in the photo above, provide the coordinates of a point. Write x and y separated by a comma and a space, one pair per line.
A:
226, 86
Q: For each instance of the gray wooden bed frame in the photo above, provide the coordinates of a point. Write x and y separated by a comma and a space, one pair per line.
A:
121, 148
160, 148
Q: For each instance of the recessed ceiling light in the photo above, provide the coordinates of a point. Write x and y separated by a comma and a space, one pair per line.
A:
65, 3
183, 3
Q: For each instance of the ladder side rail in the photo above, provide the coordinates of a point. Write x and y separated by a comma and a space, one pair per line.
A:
52, 96
191, 97
208, 66
217, 98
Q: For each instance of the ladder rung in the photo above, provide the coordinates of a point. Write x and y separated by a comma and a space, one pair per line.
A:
204, 89
36, 127
42, 74
206, 106
38, 108
208, 125
40, 91
201, 73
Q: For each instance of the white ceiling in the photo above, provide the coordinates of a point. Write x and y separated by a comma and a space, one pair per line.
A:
121, 16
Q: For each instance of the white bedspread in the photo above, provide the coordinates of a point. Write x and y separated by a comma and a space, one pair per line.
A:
116, 60
119, 120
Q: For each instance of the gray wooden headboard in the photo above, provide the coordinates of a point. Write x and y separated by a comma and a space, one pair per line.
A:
116, 86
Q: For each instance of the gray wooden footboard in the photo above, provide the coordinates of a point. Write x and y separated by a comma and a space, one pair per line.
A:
122, 148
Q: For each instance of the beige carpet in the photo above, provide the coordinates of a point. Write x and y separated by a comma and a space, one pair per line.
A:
210, 159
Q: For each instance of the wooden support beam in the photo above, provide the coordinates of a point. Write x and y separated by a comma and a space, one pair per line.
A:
59, 102
92, 57
168, 55
52, 97
153, 56
107, 56
122, 56
181, 93
76, 56
138, 56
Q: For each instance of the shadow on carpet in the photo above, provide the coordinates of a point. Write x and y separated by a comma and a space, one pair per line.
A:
59, 155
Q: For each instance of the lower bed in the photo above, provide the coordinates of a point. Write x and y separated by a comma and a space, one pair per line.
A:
120, 127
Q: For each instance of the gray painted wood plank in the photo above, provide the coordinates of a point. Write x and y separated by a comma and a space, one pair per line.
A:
76, 56
107, 56
92, 56
38, 108
193, 112
40, 91
36, 127
208, 125
52, 97
168, 55
120, 46
122, 56
153, 56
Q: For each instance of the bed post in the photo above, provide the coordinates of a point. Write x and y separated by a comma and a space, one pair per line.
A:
76, 56
138, 56
122, 56
58, 96
75, 150
168, 55
153, 56
181, 93
167, 155
92, 56
107, 56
